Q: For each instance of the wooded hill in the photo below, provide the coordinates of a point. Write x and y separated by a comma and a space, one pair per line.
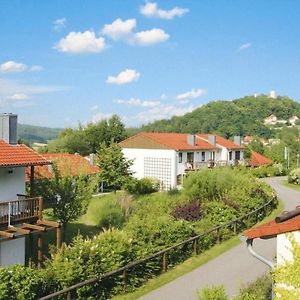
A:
30, 134
238, 117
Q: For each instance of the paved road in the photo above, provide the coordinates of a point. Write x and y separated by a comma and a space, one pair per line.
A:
233, 267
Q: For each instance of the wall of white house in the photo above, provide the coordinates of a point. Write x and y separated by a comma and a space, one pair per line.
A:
12, 252
284, 246
162, 163
11, 183
224, 154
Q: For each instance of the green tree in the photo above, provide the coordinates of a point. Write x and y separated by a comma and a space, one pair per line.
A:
114, 168
68, 196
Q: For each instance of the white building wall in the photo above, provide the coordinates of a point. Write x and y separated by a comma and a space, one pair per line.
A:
284, 247
11, 184
138, 156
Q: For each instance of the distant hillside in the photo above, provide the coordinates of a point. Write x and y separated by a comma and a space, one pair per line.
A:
31, 134
238, 117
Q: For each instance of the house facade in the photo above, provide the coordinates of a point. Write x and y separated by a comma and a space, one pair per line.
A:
14, 208
168, 157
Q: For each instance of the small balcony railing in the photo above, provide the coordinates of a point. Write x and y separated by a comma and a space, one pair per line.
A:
209, 164
21, 210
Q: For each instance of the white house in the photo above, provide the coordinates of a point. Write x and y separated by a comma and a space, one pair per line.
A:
14, 208
168, 156
284, 227
293, 120
270, 120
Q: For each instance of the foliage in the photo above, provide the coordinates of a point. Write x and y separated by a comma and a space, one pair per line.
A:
142, 186
86, 140
294, 176
228, 118
67, 195
269, 171
256, 145
212, 293
287, 275
260, 289
114, 168
188, 212
108, 214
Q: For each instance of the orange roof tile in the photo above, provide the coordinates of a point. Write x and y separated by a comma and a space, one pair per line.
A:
272, 228
176, 141
223, 142
258, 160
20, 155
67, 164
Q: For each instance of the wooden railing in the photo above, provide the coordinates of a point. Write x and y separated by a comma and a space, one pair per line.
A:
232, 225
17, 211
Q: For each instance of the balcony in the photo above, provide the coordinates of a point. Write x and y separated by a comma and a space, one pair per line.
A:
192, 166
21, 210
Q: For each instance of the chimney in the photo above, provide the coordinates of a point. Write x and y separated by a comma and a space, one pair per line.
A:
9, 128
212, 139
191, 139
237, 140
92, 159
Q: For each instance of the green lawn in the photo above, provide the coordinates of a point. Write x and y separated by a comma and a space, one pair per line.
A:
191, 263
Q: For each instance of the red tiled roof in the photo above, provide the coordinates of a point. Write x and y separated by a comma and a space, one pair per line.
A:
67, 164
258, 160
178, 141
222, 142
20, 155
272, 228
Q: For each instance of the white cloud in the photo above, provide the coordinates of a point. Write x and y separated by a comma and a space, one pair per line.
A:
124, 77
94, 107
59, 24
12, 67
192, 94
163, 112
151, 10
244, 46
81, 42
137, 102
120, 30
18, 96
100, 116
123, 30
151, 37
36, 68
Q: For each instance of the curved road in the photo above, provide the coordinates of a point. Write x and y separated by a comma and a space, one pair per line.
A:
231, 268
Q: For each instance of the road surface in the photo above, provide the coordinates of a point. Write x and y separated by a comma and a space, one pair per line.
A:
231, 268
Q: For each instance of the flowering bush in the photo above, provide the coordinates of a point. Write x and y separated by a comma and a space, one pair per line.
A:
294, 176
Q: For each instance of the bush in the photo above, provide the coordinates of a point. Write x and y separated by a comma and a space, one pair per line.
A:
109, 214
188, 212
276, 169
213, 293
142, 186
294, 176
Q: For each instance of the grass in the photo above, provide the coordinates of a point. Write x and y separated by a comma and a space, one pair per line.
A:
290, 185
191, 263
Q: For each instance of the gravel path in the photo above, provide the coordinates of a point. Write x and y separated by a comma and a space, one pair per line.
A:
233, 267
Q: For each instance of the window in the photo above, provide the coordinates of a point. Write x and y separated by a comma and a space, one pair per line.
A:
230, 155
180, 157
190, 157
203, 156
237, 155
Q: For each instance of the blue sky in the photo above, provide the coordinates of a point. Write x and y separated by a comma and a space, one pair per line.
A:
67, 61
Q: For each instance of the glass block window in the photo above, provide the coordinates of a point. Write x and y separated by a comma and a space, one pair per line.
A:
159, 168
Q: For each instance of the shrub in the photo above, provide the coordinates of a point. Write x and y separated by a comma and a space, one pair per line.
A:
276, 169
213, 293
109, 214
294, 176
188, 212
142, 186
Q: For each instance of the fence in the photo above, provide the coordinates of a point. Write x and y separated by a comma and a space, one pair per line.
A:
233, 225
